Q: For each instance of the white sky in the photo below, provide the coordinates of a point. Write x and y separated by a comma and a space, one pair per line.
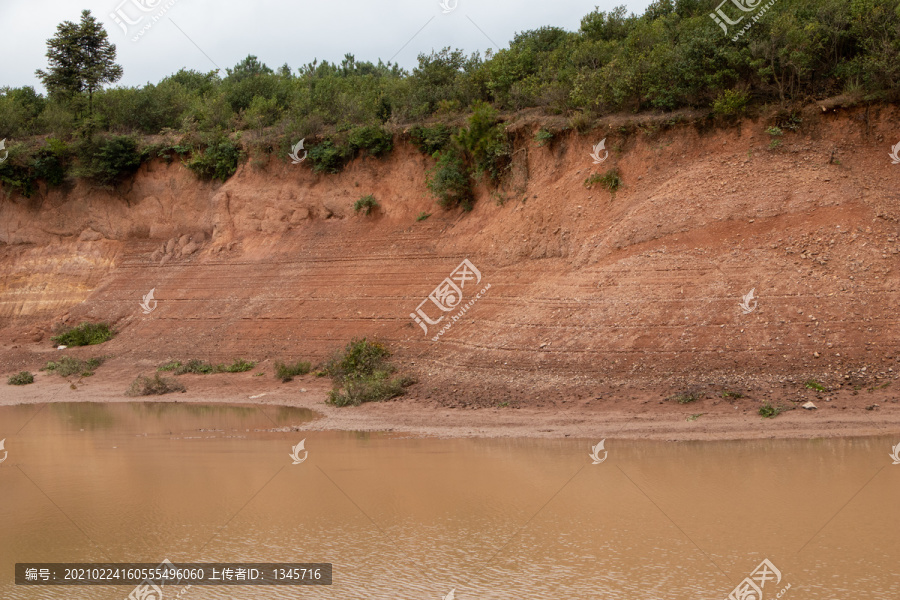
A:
277, 31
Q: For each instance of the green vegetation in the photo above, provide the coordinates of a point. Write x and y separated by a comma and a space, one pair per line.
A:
422, 216
686, 397
377, 141
812, 384
431, 139
287, 372
361, 373
219, 160
673, 56
68, 365
727, 394
694, 417
449, 181
199, 367
543, 137
366, 203
611, 180
20, 378
153, 386
768, 411
85, 334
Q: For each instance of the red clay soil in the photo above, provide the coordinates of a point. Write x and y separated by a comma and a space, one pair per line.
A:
601, 308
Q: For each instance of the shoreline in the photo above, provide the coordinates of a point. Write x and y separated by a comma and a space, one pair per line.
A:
625, 413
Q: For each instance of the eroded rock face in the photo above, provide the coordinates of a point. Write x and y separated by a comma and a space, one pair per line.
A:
643, 283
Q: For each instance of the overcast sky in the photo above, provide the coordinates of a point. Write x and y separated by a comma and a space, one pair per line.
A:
219, 34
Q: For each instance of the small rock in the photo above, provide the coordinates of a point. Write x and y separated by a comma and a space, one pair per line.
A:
816, 354
61, 347
809, 406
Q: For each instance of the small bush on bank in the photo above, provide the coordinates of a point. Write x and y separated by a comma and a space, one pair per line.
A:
486, 142
449, 181
20, 378
107, 160
67, 365
686, 397
361, 373
326, 157
768, 411
219, 160
367, 203
731, 103
200, 367
154, 386
543, 137
431, 139
85, 334
373, 139
611, 180
286, 371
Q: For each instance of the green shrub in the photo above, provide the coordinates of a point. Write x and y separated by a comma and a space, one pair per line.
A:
286, 371
21, 378
68, 365
812, 384
774, 131
686, 397
361, 373
219, 160
85, 334
422, 216
431, 139
17, 171
449, 180
153, 386
367, 203
543, 137
326, 157
767, 411
199, 367
610, 180
485, 140
373, 139
731, 103
108, 160
239, 366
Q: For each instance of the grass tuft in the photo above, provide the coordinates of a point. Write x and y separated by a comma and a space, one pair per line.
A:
154, 386
287, 372
68, 365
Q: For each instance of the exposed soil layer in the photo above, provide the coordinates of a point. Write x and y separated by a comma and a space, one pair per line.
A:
601, 307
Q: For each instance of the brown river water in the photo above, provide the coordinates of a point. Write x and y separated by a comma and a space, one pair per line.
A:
413, 518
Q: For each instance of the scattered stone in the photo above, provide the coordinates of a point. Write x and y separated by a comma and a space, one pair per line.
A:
810, 406
61, 347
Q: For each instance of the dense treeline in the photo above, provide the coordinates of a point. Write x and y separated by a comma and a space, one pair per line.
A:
672, 56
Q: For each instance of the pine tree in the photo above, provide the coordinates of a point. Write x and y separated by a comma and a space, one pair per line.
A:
81, 60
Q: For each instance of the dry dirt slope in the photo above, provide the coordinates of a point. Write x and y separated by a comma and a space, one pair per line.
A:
587, 288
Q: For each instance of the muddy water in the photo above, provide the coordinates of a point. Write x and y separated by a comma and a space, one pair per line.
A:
414, 518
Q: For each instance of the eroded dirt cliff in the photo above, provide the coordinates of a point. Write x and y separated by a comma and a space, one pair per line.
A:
588, 289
